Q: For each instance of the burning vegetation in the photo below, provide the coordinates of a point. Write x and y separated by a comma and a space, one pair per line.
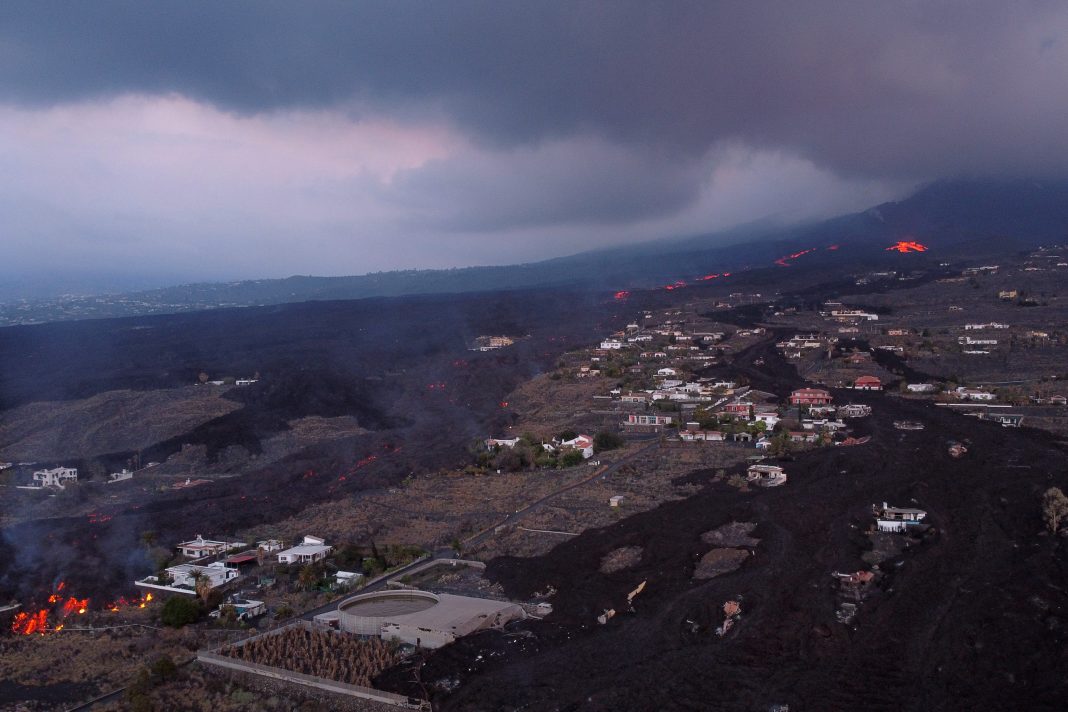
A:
50, 618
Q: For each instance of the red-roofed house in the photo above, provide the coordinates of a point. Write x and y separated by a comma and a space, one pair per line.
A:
868, 383
810, 396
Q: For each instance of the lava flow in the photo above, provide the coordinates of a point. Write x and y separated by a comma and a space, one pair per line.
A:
785, 261
622, 294
907, 246
124, 602
61, 607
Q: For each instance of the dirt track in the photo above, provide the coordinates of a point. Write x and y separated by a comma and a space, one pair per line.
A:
973, 618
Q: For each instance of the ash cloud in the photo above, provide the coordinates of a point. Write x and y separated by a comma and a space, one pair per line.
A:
567, 124
873, 87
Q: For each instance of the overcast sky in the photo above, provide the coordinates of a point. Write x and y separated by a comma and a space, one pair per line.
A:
218, 140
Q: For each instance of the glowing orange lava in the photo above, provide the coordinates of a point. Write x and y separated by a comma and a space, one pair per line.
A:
30, 623
123, 602
907, 246
59, 607
622, 294
785, 261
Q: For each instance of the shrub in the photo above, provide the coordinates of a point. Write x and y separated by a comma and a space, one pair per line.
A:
606, 440
571, 458
180, 610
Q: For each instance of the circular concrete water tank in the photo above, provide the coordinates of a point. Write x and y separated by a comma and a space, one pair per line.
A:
364, 614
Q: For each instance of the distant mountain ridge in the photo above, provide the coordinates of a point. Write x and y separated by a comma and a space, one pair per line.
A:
947, 215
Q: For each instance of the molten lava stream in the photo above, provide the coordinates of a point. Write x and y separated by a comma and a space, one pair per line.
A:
907, 246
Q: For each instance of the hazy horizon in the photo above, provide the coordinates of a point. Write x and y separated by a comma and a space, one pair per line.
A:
199, 142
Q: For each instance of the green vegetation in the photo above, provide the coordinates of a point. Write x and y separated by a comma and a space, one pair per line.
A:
180, 610
571, 458
606, 440
138, 694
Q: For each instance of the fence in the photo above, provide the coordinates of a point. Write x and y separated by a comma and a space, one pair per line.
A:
210, 657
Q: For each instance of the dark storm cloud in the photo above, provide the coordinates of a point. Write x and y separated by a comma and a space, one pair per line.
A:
567, 182
902, 88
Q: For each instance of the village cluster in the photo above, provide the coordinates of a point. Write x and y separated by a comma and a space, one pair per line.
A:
211, 564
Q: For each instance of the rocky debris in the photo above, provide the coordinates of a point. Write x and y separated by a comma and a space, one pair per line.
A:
620, 559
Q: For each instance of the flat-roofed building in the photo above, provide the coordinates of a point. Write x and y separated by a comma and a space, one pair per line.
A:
312, 549
421, 618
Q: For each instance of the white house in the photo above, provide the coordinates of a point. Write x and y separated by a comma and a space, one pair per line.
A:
310, 550
613, 344
582, 443
766, 475
200, 547
501, 442
768, 419
120, 476
920, 387
269, 545
184, 578
215, 574
896, 519
56, 477
974, 394
666, 372
854, 410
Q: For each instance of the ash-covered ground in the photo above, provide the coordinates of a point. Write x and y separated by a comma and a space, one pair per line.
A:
399, 368
972, 615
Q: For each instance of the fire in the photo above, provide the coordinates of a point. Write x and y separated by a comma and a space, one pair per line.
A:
907, 246
678, 284
74, 605
622, 294
59, 607
123, 602
30, 623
